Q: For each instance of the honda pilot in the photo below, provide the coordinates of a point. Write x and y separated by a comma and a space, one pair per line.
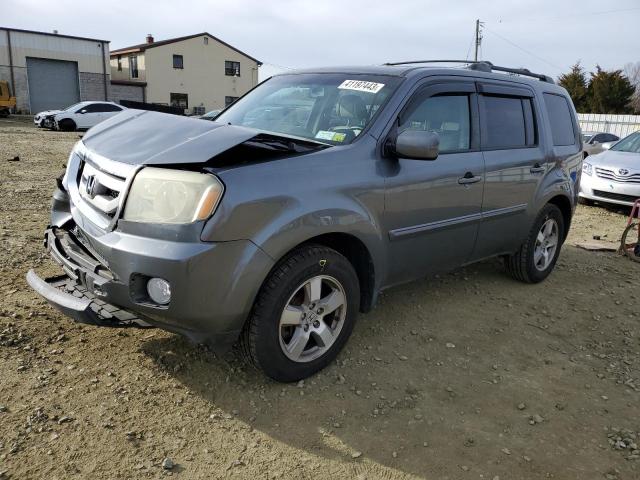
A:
275, 225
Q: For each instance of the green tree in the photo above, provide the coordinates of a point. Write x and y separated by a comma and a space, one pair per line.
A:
576, 84
610, 92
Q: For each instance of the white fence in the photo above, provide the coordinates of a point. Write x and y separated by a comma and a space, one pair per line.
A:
620, 125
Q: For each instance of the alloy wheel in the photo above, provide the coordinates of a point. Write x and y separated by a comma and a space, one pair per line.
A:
312, 318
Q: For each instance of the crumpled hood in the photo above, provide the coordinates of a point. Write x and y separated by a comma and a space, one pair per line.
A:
140, 137
47, 113
615, 160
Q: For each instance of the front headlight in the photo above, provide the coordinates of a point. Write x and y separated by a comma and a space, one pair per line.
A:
586, 168
161, 195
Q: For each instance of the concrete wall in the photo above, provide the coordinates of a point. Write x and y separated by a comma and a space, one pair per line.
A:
88, 54
126, 92
203, 77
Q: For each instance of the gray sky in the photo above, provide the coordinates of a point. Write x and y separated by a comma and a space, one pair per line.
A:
547, 36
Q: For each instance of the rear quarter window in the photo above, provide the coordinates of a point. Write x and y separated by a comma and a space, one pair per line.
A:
560, 118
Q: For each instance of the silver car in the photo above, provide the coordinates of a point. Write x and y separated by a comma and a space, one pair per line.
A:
613, 176
597, 142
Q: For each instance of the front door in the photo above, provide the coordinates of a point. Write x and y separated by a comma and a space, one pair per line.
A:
432, 207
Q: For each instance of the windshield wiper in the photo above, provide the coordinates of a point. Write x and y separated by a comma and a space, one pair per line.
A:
283, 144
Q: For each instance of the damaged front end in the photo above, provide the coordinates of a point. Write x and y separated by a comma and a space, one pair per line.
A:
114, 233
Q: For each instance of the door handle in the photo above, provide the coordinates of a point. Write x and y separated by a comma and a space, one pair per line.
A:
468, 179
537, 169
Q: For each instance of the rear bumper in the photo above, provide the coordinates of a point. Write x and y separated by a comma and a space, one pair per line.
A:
213, 285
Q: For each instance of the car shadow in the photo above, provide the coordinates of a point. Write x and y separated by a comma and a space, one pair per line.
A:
433, 373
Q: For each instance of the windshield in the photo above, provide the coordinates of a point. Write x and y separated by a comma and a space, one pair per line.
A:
586, 137
628, 144
330, 108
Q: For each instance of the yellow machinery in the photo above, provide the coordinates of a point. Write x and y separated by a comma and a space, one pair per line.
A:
7, 102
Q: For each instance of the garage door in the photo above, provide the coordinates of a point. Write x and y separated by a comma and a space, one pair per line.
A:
52, 84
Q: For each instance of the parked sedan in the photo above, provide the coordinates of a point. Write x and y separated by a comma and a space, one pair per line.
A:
596, 142
85, 115
613, 176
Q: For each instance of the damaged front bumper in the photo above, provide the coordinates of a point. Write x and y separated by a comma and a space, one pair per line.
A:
81, 305
212, 284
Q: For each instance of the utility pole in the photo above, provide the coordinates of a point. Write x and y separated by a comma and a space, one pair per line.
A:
478, 38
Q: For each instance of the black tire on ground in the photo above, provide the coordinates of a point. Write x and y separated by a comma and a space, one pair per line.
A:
67, 125
520, 265
260, 339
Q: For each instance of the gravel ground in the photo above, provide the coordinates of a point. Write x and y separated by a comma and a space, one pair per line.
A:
469, 375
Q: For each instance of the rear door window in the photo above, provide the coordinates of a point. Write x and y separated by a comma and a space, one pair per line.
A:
508, 122
560, 118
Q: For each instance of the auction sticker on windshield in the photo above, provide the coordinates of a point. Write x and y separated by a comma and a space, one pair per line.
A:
331, 136
361, 86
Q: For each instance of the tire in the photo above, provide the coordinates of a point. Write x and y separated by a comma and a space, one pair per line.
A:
67, 125
269, 345
522, 264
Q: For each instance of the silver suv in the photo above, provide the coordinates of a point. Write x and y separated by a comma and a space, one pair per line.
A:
273, 226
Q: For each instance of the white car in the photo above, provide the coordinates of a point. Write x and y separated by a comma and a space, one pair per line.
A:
85, 115
613, 176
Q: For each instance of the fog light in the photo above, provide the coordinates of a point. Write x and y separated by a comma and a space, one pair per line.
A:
159, 290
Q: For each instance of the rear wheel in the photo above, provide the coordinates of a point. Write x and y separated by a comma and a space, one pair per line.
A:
537, 256
303, 315
67, 125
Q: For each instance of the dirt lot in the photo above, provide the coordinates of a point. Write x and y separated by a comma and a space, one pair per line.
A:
471, 375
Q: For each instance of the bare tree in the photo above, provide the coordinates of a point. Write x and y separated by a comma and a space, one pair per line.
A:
632, 72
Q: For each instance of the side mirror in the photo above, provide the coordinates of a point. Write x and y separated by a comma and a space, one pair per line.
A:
417, 144
83, 110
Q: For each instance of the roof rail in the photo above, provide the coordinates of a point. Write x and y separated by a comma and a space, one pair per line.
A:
483, 66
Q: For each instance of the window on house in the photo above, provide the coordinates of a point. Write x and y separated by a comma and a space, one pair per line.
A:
119, 63
229, 100
206, 40
133, 66
231, 69
177, 61
179, 100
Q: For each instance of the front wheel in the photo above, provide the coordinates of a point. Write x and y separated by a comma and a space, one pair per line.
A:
67, 125
303, 315
537, 256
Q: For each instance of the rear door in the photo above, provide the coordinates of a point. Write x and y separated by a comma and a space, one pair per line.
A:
432, 207
515, 164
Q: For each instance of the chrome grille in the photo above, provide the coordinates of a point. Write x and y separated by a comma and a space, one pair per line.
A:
101, 190
98, 186
611, 174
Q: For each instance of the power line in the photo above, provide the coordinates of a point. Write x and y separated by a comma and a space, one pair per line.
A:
473, 37
564, 18
525, 50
